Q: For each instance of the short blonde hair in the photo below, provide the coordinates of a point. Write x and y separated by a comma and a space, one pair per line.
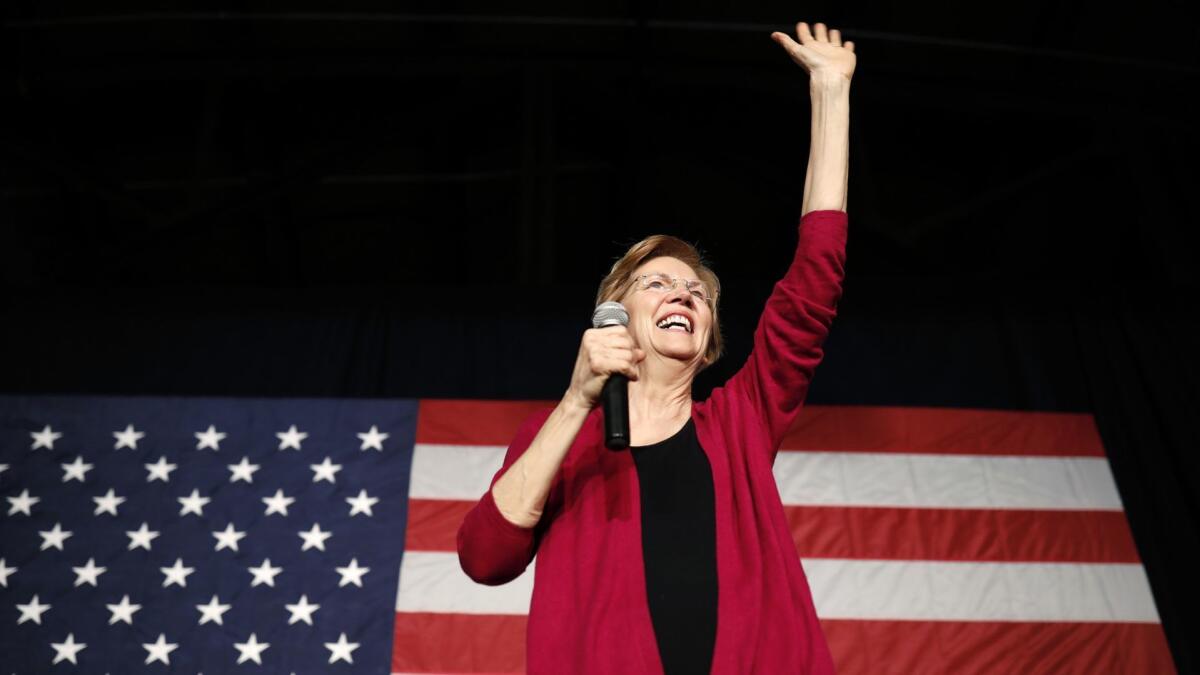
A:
619, 281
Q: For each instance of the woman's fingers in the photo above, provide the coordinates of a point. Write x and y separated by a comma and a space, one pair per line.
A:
784, 40
616, 363
794, 49
819, 32
820, 50
613, 336
803, 33
603, 352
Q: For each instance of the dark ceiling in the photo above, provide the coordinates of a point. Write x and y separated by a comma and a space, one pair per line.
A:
383, 147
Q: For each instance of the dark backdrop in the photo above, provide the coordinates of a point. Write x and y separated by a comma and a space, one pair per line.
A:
392, 202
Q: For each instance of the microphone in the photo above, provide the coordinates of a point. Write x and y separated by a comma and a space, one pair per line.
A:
615, 395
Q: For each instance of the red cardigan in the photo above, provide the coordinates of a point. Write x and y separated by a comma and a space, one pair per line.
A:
589, 612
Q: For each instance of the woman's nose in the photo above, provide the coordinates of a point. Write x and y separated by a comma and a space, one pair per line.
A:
680, 295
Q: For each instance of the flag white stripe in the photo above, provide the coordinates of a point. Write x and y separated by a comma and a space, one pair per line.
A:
945, 481
435, 582
847, 479
453, 471
958, 591
859, 589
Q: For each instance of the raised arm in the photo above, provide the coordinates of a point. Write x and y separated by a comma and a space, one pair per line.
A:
798, 315
830, 64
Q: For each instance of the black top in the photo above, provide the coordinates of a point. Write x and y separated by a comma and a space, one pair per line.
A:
679, 545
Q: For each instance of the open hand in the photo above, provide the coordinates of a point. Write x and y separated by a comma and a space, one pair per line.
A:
823, 55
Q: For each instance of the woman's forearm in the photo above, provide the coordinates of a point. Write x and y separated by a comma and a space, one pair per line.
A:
827, 178
521, 493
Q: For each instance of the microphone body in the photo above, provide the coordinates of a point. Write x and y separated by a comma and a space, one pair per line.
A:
615, 394
615, 398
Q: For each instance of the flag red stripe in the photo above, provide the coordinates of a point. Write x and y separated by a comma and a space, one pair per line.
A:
953, 431
829, 428
889, 533
458, 643
472, 643
455, 422
903, 647
433, 524
980, 535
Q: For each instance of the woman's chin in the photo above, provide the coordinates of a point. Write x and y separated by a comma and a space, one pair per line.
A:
677, 354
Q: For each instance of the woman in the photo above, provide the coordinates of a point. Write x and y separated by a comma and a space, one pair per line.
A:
675, 555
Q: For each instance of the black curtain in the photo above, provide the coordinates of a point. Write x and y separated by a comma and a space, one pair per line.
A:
1143, 380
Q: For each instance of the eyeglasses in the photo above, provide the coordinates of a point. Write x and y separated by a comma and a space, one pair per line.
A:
663, 283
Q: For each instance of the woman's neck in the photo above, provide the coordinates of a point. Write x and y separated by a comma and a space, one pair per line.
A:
663, 391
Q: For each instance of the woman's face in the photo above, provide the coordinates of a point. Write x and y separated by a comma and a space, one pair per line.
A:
672, 323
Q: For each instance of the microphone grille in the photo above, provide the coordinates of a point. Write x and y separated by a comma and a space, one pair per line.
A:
610, 314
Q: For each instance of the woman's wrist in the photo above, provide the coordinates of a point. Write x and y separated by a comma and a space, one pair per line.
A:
574, 403
828, 84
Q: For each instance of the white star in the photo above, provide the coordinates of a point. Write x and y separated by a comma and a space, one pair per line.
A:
176, 574
209, 439
243, 470
213, 612
88, 573
290, 438
159, 650
107, 503
251, 650
352, 573
314, 538
44, 438
32, 612
372, 439
141, 537
264, 574
6, 572
362, 503
302, 611
128, 438
160, 470
75, 470
341, 650
22, 503
279, 503
228, 538
67, 650
325, 471
54, 538
122, 611
3, 468
193, 503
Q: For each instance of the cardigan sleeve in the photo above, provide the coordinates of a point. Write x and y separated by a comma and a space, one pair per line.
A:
794, 324
492, 550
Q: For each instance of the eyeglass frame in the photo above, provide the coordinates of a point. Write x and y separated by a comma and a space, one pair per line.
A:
711, 300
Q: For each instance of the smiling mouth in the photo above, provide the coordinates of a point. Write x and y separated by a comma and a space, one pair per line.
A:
676, 322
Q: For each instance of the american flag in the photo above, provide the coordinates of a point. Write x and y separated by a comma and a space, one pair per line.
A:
201, 535
935, 540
